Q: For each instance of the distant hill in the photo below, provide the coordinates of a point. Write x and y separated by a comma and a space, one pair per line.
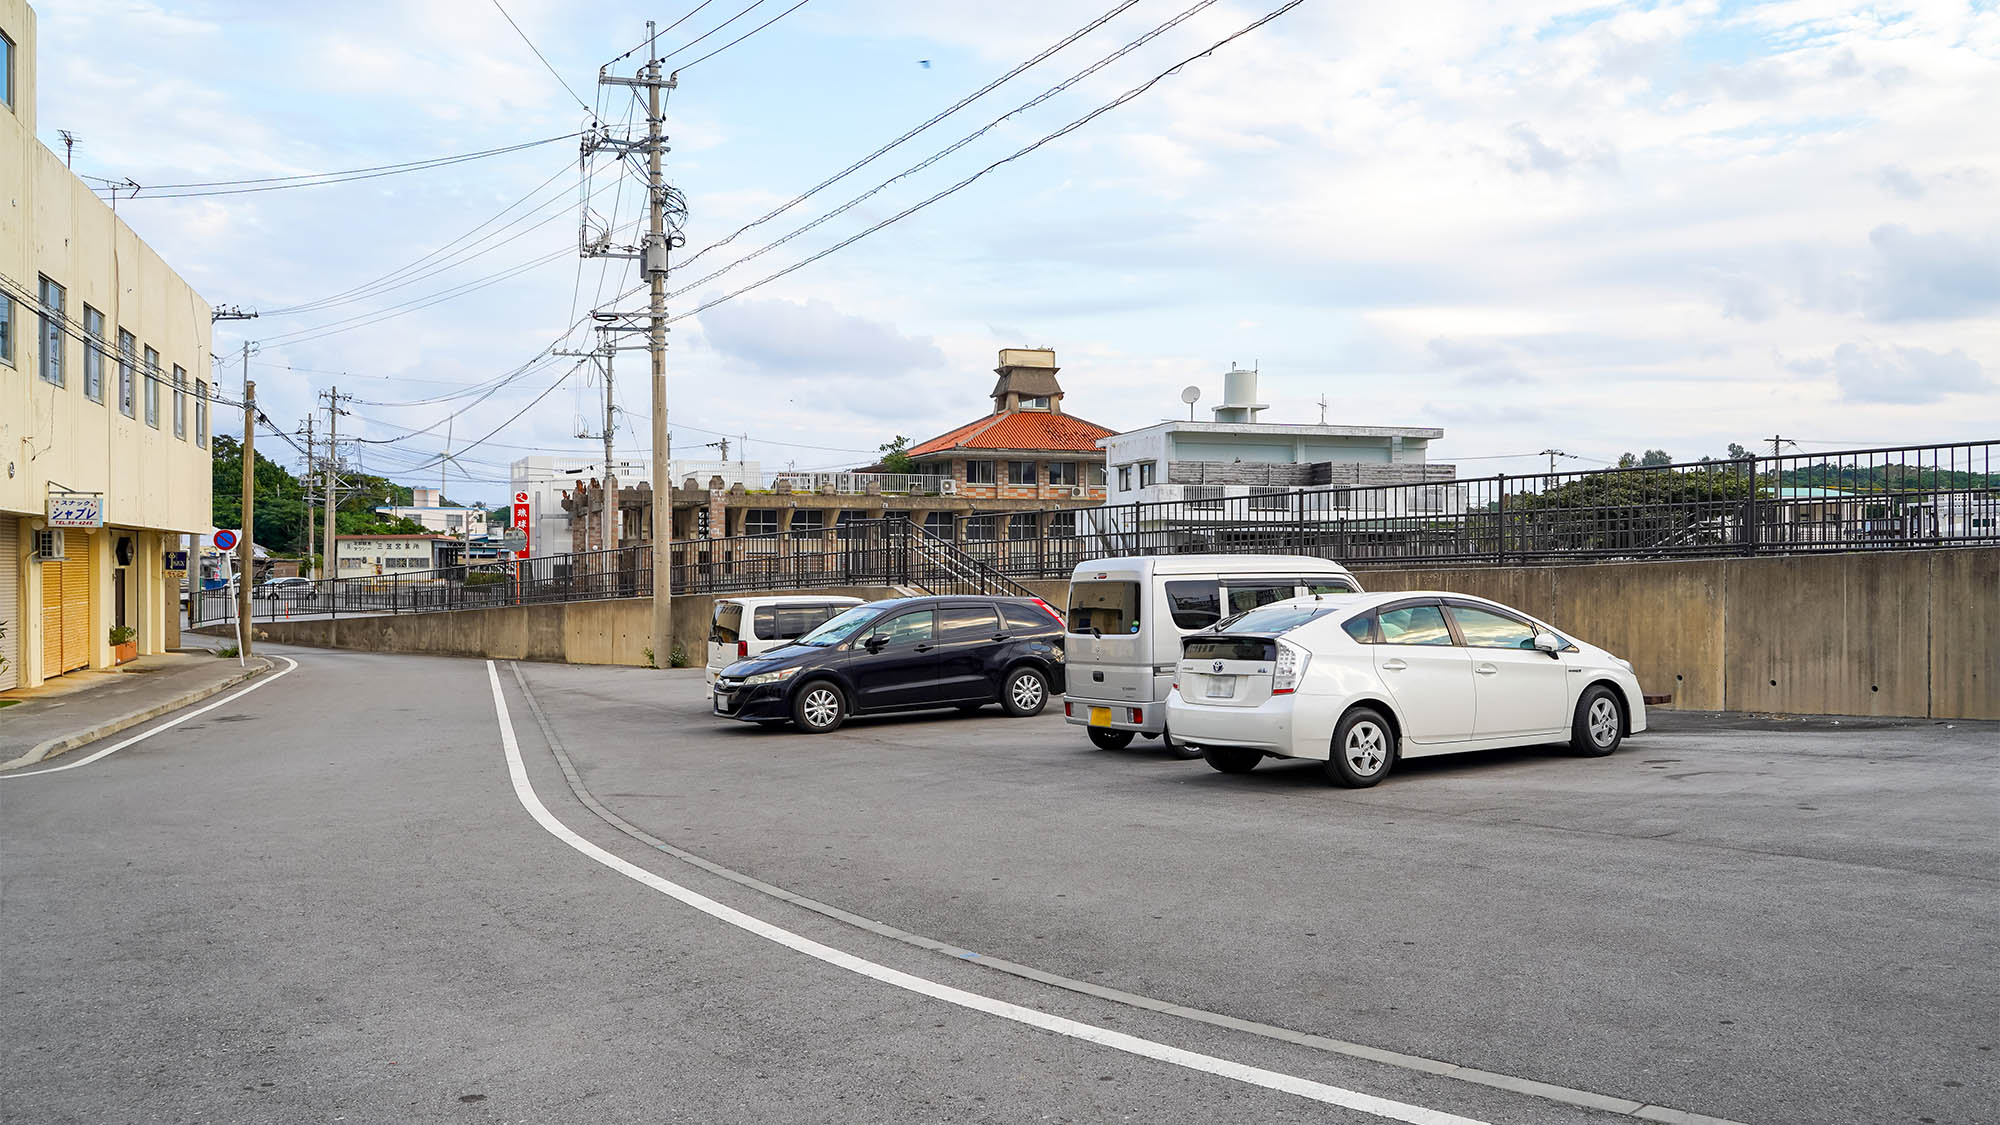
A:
1876, 478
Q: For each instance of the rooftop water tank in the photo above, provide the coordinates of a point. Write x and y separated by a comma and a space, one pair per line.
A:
1239, 397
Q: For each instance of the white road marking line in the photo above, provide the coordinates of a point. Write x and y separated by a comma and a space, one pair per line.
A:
177, 720
1089, 1033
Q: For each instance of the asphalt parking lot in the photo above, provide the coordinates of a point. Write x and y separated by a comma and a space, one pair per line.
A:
1763, 920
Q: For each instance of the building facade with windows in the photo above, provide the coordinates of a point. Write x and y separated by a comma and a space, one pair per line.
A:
1018, 472
389, 556
428, 508
105, 407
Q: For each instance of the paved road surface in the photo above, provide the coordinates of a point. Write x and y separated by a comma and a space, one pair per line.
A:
327, 900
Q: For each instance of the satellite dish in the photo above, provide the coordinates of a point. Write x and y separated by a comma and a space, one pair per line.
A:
1191, 395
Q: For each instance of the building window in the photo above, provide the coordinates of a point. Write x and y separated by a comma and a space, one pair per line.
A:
939, 523
980, 528
1124, 478
979, 472
1062, 525
1146, 472
808, 523
1063, 473
180, 403
1020, 472
93, 354
151, 374
760, 521
1095, 479
6, 330
128, 357
1021, 526
1038, 402
201, 415
846, 524
7, 69
52, 332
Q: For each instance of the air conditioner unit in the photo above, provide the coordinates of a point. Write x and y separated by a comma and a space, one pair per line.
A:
49, 545
1079, 492
947, 486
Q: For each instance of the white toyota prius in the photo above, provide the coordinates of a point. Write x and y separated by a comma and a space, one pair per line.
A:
1361, 680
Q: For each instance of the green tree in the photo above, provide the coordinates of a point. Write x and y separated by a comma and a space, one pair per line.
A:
1654, 458
1737, 452
895, 456
281, 508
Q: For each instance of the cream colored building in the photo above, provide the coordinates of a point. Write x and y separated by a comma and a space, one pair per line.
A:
104, 380
388, 556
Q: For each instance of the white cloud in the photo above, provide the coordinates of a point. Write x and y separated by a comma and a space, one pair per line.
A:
1904, 375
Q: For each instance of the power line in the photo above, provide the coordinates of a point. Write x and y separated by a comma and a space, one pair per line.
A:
933, 158
740, 38
934, 119
317, 179
1127, 96
649, 39
544, 58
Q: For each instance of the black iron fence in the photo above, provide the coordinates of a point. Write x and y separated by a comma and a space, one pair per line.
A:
867, 553
1892, 498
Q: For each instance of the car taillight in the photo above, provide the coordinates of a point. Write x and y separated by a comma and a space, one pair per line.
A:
1291, 667
1068, 709
1050, 610
1138, 714
742, 650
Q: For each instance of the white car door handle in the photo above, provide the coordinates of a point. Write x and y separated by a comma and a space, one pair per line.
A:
1393, 665
1487, 670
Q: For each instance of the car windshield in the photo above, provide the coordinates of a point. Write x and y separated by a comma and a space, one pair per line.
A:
840, 628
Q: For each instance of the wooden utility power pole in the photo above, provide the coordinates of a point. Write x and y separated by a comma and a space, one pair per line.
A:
312, 532
330, 566
246, 557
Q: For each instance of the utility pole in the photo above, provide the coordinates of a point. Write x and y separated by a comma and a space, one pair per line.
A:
312, 532
666, 209
330, 564
245, 553
607, 535
1778, 441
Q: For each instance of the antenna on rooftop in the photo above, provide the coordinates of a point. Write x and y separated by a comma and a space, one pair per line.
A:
69, 145
1190, 395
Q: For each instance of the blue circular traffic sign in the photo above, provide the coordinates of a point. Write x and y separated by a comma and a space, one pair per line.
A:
225, 540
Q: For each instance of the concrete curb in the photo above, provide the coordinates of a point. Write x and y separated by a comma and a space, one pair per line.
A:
57, 746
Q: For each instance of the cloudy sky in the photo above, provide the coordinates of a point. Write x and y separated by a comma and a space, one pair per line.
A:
1598, 228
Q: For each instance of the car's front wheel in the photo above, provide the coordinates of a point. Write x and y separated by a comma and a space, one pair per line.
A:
1599, 725
819, 708
1025, 693
1105, 739
1364, 749
1229, 759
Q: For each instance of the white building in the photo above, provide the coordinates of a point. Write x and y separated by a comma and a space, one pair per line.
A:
370, 556
427, 507
545, 479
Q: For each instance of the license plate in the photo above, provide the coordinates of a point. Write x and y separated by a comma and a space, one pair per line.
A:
1221, 687
1100, 716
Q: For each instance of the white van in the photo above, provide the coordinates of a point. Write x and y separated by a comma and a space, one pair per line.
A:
747, 627
1127, 617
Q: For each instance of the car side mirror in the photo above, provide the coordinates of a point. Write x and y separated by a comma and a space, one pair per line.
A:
876, 643
1549, 643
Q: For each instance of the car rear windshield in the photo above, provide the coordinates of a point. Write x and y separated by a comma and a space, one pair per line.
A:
1229, 648
1104, 608
1275, 619
728, 623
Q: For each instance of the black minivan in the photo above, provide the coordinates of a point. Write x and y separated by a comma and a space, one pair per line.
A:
904, 654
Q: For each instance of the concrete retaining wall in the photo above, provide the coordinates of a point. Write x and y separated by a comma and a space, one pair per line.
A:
1890, 633
605, 632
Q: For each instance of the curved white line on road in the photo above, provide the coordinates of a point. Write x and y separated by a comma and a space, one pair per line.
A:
177, 720
524, 791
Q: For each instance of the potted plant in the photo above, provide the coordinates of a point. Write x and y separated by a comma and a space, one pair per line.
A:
124, 643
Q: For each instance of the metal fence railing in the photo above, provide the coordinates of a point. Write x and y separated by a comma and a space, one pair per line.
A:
865, 553
1902, 498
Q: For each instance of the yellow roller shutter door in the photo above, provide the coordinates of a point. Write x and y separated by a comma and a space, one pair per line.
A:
66, 607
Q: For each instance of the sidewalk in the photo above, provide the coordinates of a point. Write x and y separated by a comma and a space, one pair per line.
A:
82, 707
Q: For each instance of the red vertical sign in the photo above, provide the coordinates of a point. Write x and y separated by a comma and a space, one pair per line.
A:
522, 520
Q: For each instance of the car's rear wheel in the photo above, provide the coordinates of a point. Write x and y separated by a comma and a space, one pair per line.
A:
1025, 693
1229, 759
1364, 749
1599, 725
819, 708
1105, 739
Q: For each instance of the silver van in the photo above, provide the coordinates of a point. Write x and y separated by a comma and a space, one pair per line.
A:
1127, 617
